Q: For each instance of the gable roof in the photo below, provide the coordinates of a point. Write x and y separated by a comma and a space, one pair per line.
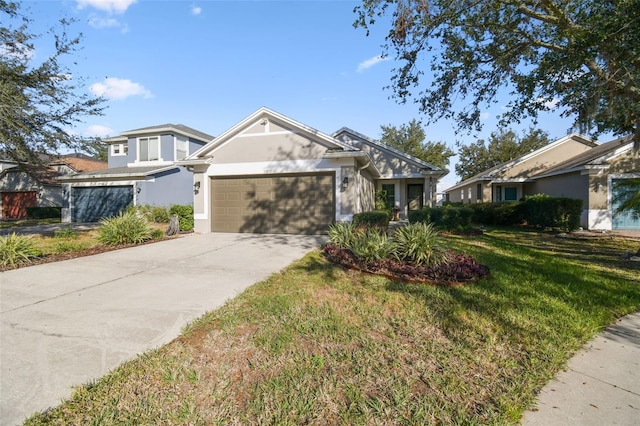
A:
594, 158
172, 128
396, 152
492, 172
266, 113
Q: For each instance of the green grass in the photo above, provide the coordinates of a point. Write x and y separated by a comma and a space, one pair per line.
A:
5, 224
319, 345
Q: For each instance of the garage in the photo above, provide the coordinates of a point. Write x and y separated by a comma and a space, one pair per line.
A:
14, 204
277, 204
91, 204
622, 188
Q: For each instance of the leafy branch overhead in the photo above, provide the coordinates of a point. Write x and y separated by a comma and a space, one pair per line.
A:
39, 102
580, 57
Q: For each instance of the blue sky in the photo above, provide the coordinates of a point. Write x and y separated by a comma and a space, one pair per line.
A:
209, 64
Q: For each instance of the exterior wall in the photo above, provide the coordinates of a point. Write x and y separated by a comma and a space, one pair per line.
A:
47, 195
258, 147
544, 160
172, 187
122, 160
366, 192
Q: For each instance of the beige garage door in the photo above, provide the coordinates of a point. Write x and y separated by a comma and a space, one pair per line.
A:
283, 204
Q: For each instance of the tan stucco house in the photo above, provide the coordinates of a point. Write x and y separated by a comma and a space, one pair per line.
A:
272, 174
574, 167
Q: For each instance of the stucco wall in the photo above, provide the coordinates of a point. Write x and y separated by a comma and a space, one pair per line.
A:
268, 147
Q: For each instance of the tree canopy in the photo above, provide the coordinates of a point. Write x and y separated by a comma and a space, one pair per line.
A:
39, 102
581, 57
410, 138
502, 146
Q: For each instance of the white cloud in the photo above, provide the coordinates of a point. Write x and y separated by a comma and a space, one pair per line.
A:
98, 22
117, 88
195, 10
364, 65
550, 104
111, 6
484, 116
98, 131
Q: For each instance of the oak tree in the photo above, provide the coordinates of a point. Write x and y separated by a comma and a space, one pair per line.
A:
40, 100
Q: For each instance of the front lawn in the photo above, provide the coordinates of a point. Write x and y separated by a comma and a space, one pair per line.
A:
317, 344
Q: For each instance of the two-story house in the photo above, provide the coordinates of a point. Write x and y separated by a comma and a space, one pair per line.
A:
141, 171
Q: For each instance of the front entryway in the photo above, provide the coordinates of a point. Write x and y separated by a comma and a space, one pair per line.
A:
414, 196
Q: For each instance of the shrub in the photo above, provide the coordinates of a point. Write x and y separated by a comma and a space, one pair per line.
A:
552, 212
44, 212
185, 215
448, 217
377, 219
155, 214
503, 214
126, 228
157, 234
372, 245
343, 234
17, 249
419, 243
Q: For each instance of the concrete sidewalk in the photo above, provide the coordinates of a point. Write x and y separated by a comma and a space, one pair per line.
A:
601, 384
66, 323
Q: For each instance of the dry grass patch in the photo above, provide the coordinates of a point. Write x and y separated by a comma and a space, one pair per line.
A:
319, 345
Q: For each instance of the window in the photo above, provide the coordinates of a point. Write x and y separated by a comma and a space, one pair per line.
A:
119, 149
461, 194
469, 194
390, 195
149, 149
182, 147
510, 193
499, 193
479, 192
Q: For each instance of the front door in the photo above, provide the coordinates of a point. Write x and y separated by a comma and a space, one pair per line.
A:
414, 196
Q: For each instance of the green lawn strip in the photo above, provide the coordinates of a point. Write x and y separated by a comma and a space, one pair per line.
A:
316, 344
6, 224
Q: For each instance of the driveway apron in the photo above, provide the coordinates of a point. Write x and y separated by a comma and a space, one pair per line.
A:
67, 323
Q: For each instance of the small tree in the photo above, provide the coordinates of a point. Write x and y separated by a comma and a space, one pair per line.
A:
410, 139
502, 147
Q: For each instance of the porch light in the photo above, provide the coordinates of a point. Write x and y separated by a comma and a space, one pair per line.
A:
345, 183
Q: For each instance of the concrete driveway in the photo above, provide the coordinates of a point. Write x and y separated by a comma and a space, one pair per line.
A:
66, 323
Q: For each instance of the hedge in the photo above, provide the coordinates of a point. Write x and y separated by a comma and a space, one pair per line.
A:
545, 211
374, 219
44, 212
443, 217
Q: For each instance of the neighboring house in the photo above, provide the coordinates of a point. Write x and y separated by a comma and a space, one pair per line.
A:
508, 181
593, 177
142, 170
24, 185
271, 174
573, 167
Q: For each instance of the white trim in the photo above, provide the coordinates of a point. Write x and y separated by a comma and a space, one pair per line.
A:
272, 167
279, 132
149, 162
598, 219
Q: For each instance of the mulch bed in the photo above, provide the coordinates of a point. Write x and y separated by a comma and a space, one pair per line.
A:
461, 268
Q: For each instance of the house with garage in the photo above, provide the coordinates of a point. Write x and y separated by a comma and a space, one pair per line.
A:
509, 181
573, 167
141, 170
28, 185
272, 174
596, 177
